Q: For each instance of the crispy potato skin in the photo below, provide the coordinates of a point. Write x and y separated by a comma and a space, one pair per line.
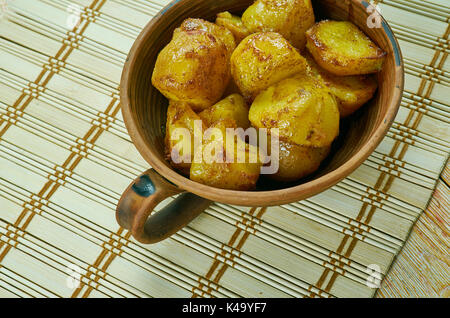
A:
180, 115
297, 162
232, 107
195, 66
231, 176
290, 18
263, 59
351, 92
234, 24
341, 48
302, 108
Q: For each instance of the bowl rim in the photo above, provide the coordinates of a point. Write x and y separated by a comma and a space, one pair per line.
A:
261, 198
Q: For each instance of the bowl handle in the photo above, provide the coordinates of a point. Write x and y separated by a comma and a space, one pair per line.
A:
134, 210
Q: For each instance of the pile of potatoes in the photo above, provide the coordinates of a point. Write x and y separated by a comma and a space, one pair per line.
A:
274, 67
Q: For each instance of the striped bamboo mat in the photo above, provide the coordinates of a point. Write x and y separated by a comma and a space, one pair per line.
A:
66, 157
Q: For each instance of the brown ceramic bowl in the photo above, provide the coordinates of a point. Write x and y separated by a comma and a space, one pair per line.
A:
144, 112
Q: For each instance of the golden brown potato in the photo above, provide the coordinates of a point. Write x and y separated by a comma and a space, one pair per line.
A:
234, 24
263, 59
180, 115
232, 176
195, 66
297, 162
351, 92
341, 48
232, 107
290, 18
302, 108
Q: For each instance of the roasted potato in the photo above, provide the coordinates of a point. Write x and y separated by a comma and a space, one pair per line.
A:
341, 48
195, 66
232, 107
263, 59
351, 92
180, 115
225, 174
302, 108
290, 18
297, 162
234, 24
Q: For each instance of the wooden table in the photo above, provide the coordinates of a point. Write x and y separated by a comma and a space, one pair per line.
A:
422, 268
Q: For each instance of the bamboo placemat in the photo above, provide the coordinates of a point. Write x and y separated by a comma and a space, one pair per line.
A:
66, 157
422, 267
